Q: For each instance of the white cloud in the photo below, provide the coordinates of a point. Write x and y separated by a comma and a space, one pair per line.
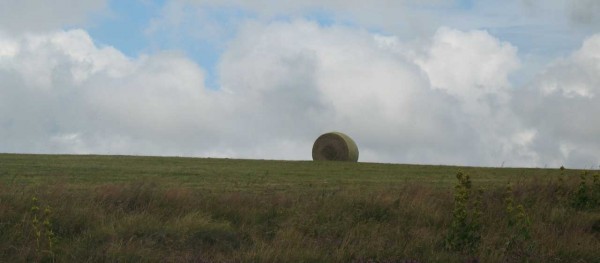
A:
283, 84
60, 88
474, 67
585, 11
17, 16
470, 65
562, 105
447, 99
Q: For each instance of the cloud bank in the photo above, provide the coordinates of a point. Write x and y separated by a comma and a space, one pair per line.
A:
562, 105
17, 16
445, 99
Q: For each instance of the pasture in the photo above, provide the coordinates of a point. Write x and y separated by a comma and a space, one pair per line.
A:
85, 208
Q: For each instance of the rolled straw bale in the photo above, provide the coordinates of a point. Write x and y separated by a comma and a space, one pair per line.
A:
335, 146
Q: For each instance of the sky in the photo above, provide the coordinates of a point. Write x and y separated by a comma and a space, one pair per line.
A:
511, 83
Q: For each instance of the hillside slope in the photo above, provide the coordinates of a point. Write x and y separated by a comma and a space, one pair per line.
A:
71, 208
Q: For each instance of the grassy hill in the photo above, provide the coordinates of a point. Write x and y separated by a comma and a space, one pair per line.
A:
70, 208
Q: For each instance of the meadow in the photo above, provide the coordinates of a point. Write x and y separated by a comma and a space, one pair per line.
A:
85, 208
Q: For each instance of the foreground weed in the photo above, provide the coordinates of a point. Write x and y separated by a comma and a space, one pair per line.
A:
596, 189
465, 230
561, 191
518, 244
587, 196
42, 231
580, 198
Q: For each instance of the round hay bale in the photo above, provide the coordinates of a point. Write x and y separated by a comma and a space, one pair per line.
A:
335, 146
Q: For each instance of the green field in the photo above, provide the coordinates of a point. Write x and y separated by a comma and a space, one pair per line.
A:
70, 208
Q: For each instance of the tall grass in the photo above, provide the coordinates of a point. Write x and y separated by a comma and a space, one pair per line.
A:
143, 221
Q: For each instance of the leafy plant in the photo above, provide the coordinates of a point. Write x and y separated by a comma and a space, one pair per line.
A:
42, 230
587, 196
596, 190
518, 242
465, 230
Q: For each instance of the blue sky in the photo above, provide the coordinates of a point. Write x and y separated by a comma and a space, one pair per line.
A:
414, 81
125, 26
